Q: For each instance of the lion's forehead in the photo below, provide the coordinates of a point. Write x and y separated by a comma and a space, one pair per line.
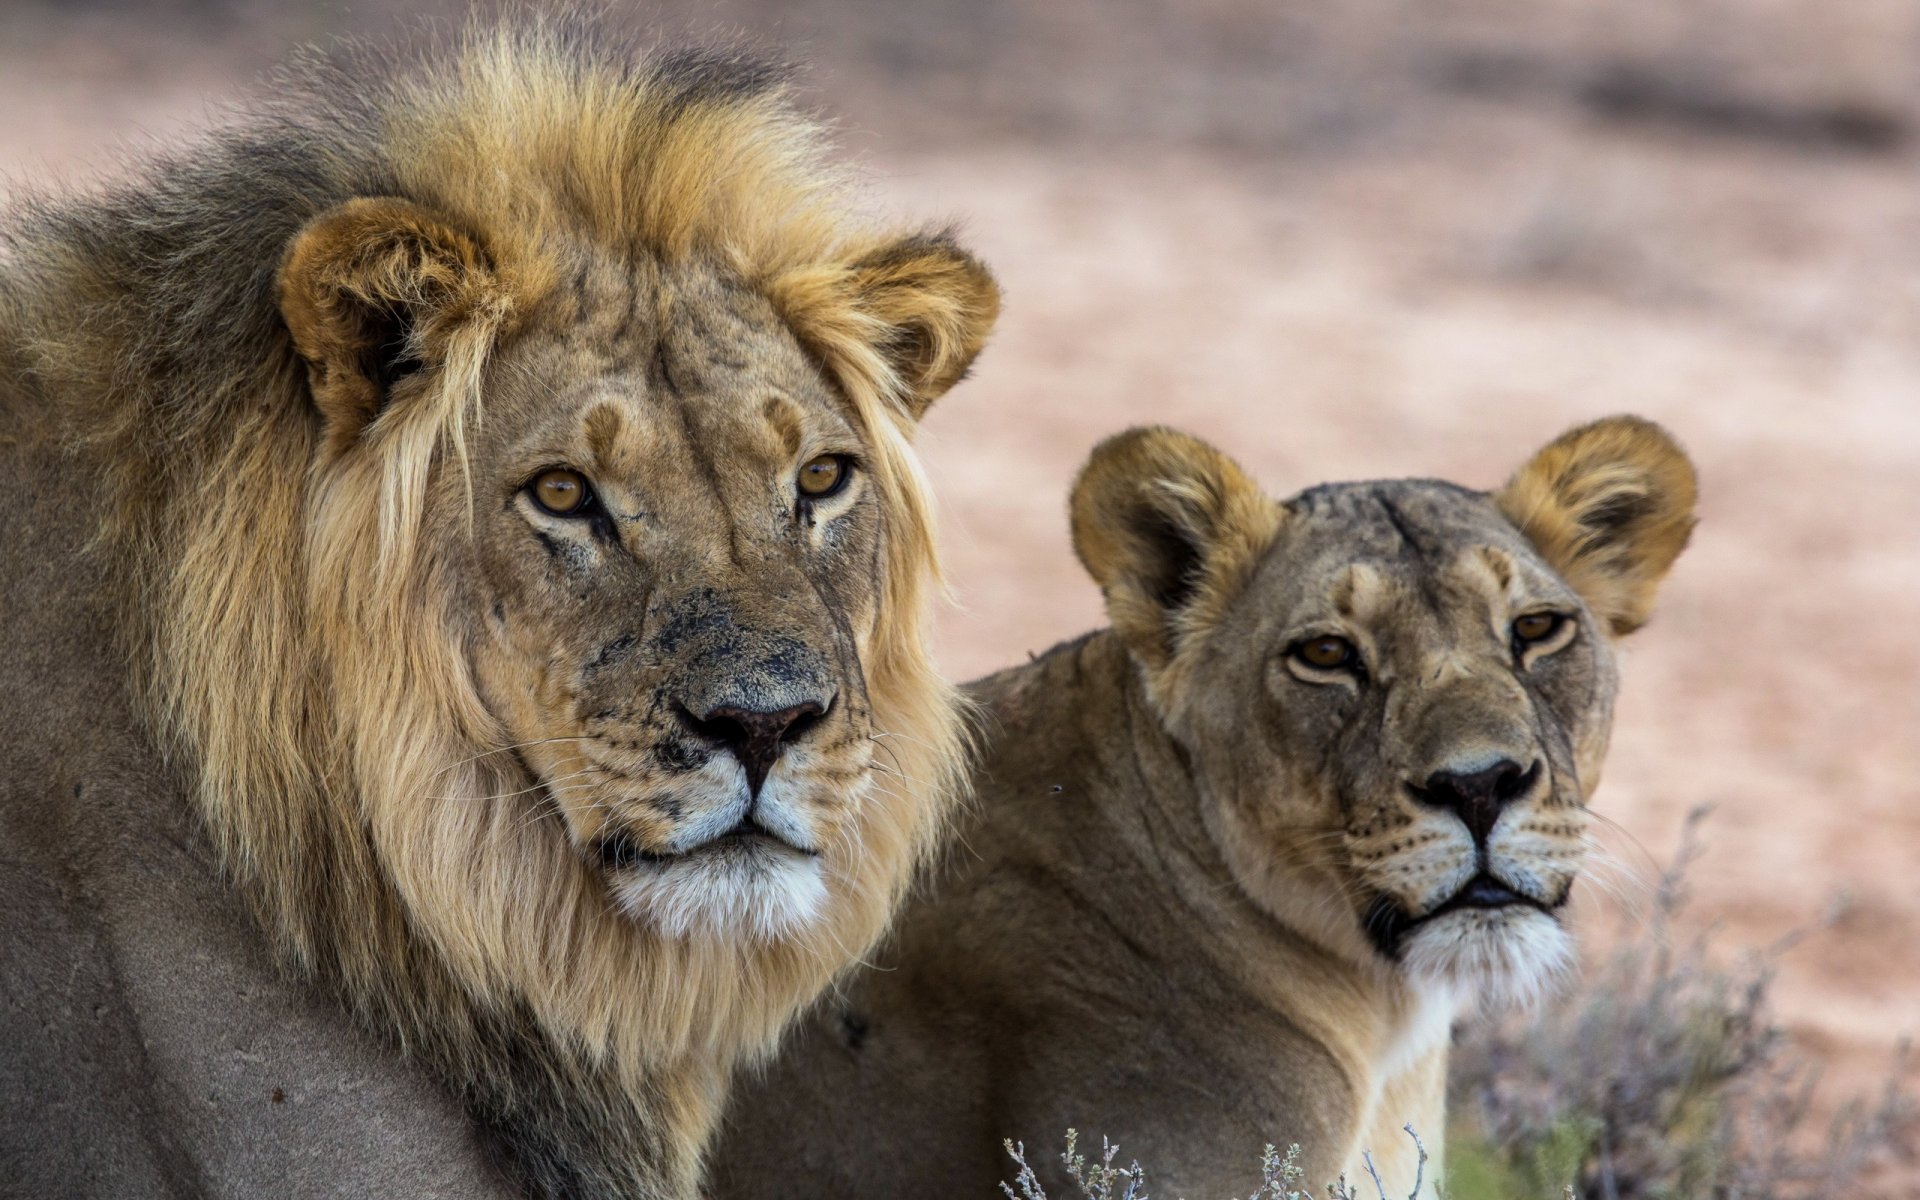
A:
682, 364
618, 304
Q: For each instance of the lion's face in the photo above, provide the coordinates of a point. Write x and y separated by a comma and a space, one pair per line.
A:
1395, 698
667, 537
677, 574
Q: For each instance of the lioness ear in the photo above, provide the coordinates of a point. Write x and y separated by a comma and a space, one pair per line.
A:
1609, 506
920, 309
1170, 529
372, 291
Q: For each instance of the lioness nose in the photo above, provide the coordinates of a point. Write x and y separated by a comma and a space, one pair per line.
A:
757, 737
1478, 797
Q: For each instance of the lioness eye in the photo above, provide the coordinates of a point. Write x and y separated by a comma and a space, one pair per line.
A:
1325, 653
823, 476
1536, 627
561, 492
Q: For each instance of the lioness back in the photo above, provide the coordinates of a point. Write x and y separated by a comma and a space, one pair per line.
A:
1021, 997
1236, 863
463, 548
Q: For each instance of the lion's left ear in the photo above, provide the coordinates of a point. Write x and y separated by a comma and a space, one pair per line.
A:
374, 291
919, 310
1609, 506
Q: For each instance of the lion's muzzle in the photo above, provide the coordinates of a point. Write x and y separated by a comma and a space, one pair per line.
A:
756, 736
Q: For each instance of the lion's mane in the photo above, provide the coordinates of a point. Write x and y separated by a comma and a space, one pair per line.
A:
291, 629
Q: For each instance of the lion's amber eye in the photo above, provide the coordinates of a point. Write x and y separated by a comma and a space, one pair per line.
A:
562, 492
823, 476
1536, 627
1325, 653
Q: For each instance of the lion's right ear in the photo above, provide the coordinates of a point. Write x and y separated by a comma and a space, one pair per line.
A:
1170, 528
1609, 506
916, 311
374, 291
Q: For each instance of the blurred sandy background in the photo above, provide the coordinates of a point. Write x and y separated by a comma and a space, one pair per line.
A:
1381, 238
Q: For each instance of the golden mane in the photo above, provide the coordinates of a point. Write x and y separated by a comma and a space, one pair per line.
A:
287, 609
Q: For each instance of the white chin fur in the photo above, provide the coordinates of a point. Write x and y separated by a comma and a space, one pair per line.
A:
762, 891
1492, 958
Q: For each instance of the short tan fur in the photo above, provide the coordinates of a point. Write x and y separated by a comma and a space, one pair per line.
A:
1240, 860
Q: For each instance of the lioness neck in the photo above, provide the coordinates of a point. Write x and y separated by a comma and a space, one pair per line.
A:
1081, 775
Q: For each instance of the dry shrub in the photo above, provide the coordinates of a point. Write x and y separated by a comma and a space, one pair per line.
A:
1668, 1078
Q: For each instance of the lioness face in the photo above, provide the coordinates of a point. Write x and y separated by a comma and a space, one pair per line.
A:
1396, 696
1434, 701
679, 566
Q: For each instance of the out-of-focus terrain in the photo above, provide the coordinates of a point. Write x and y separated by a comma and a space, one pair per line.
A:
1378, 239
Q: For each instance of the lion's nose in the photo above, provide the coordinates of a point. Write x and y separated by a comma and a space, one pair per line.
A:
757, 737
1478, 797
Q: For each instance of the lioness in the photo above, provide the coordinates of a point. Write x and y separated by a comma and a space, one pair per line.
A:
1239, 860
463, 553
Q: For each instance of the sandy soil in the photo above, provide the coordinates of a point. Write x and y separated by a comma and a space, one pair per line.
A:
1371, 258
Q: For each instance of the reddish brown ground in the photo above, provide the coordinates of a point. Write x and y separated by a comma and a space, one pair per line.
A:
1378, 248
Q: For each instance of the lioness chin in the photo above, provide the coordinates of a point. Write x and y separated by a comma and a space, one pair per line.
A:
1238, 862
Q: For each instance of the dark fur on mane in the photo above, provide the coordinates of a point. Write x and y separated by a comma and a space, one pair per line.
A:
140, 323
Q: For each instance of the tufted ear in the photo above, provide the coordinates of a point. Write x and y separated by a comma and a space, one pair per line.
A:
919, 309
1609, 506
1170, 528
374, 291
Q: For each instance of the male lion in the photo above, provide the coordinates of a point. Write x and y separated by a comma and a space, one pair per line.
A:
464, 684
1240, 860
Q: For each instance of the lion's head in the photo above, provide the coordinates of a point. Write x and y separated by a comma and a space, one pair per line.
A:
1395, 696
615, 546
505, 461
661, 543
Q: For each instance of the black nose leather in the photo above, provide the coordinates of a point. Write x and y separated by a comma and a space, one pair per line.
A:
756, 737
1478, 797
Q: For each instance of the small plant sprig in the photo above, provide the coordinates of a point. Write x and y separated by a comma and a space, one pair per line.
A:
1339, 1190
1101, 1181
1280, 1174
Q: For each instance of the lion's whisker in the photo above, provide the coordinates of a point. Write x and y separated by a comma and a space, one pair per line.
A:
454, 766
548, 785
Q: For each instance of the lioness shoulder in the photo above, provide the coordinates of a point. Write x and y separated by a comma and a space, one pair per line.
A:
1239, 860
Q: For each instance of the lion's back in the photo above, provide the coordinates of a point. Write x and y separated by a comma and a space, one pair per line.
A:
147, 1046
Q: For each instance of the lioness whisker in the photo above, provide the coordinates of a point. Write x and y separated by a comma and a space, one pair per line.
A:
1646, 856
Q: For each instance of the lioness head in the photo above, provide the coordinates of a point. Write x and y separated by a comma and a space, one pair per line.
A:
1395, 696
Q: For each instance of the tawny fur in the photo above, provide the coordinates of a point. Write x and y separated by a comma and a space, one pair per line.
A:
277, 528
1198, 907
